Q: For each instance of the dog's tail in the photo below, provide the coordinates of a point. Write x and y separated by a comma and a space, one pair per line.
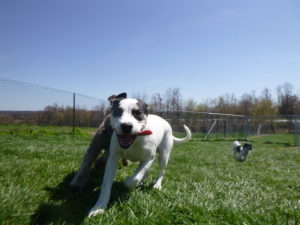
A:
186, 138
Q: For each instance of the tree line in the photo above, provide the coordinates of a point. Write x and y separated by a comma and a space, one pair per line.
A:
56, 115
249, 104
285, 103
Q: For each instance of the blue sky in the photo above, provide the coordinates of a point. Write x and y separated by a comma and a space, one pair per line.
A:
206, 48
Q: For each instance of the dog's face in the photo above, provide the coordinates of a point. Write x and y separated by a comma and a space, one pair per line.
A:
128, 118
247, 146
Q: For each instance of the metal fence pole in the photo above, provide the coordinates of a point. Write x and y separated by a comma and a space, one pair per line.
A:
225, 128
73, 112
296, 130
245, 130
204, 125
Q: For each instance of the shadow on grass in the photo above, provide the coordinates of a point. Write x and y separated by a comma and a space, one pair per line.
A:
283, 144
67, 207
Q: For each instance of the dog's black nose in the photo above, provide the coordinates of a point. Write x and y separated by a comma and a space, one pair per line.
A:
126, 127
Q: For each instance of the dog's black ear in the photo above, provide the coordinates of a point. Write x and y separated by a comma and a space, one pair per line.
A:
145, 108
122, 95
111, 98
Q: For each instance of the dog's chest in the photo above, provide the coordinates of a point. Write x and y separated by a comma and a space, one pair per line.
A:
140, 151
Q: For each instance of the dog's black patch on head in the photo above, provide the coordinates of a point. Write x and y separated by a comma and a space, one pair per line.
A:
141, 112
116, 110
247, 146
238, 148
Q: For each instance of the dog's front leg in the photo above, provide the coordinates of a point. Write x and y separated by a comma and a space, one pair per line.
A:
243, 155
110, 172
140, 174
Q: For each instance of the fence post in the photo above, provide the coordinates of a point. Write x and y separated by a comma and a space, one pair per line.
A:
204, 124
217, 128
296, 130
225, 128
73, 112
245, 130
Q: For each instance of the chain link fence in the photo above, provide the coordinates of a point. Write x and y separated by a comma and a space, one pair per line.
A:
223, 126
24, 103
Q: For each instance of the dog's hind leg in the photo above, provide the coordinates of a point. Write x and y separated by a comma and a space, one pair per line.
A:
100, 141
163, 158
81, 177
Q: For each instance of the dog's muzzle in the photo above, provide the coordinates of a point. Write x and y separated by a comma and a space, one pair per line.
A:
126, 140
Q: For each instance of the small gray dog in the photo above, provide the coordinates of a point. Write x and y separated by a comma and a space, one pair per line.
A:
100, 141
240, 152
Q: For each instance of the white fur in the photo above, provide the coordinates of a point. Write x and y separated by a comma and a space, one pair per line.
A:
143, 150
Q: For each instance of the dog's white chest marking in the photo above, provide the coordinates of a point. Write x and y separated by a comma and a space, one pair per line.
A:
129, 118
139, 151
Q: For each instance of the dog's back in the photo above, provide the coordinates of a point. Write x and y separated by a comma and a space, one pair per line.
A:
236, 147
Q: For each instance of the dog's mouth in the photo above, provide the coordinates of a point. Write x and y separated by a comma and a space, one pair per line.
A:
126, 140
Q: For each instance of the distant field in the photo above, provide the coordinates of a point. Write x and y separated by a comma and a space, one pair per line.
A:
202, 185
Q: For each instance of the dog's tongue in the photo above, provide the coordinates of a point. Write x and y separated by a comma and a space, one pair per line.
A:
126, 141
145, 132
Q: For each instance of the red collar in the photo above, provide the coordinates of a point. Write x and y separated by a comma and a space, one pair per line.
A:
145, 132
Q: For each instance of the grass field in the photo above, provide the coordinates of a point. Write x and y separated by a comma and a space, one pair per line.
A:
202, 185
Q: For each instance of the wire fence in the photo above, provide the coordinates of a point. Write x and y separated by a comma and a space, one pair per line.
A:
223, 126
25, 103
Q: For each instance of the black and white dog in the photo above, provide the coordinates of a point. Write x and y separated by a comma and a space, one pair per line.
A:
240, 152
137, 136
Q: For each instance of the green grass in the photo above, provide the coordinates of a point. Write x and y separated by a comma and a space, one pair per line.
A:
202, 185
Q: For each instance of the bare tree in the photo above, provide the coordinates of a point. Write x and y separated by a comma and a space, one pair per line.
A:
156, 103
173, 99
246, 104
288, 102
141, 96
226, 104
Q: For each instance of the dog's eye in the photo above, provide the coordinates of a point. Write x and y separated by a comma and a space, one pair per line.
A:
137, 114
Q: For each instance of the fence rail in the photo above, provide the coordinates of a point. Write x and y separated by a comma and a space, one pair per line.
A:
217, 126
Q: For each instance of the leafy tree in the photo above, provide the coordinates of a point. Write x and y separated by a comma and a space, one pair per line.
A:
265, 105
190, 105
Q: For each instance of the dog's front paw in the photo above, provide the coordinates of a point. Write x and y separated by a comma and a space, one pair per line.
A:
131, 182
94, 212
157, 186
